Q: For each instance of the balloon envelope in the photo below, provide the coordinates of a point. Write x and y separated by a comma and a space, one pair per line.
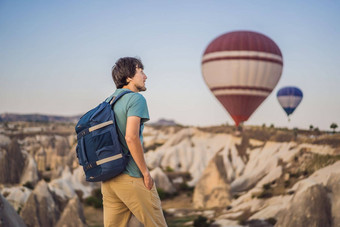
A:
289, 98
241, 69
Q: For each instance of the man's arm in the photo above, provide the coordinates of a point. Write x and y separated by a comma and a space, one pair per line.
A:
136, 149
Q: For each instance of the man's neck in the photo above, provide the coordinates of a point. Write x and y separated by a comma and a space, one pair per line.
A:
131, 88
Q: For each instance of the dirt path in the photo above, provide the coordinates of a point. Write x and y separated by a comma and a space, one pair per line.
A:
181, 201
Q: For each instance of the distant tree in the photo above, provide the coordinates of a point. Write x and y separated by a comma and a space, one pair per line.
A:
317, 131
295, 132
272, 126
239, 128
333, 126
311, 127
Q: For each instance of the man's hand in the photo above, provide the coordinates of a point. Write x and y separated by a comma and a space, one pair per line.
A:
148, 181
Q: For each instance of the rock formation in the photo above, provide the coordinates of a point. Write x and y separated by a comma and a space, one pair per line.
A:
16, 196
51, 152
263, 166
12, 163
212, 189
253, 182
69, 183
62, 146
30, 172
40, 158
308, 208
189, 150
8, 216
162, 181
40, 209
73, 215
4, 140
333, 185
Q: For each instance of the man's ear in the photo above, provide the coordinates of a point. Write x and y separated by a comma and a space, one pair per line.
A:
128, 80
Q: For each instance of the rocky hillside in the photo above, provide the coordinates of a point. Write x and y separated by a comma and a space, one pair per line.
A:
6, 117
217, 176
40, 175
258, 177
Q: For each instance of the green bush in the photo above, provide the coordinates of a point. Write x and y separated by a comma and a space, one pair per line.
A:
236, 196
271, 221
95, 200
282, 137
320, 161
286, 183
29, 185
178, 221
154, 146
47, 179
97, 193
19, 210
201, 222
295, 175
185, 187
266, 186
169, 169
163, 194
265, 194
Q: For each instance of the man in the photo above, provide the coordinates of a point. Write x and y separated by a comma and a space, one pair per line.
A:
133, 191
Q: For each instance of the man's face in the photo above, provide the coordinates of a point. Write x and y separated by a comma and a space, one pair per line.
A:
139, 80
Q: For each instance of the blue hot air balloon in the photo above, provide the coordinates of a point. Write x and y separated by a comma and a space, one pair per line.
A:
289, 98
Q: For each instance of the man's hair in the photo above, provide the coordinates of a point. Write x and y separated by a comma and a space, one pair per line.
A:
124, 68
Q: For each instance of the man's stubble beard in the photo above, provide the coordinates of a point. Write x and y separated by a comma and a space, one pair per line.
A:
141, 89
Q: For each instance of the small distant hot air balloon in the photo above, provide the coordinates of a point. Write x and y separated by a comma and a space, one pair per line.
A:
289, 98
241, 68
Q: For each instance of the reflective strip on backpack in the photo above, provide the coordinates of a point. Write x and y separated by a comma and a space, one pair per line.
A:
109, 159
100, 125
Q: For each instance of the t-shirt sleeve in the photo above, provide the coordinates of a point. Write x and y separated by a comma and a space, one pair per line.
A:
137, 107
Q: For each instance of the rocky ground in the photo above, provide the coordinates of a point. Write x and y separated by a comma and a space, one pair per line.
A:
205, 176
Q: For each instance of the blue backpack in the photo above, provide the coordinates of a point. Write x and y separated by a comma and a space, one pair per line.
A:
98, 149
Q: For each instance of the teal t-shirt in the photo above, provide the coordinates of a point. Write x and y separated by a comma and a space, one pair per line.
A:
131, 104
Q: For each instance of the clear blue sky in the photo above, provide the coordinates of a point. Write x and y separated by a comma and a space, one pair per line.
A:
56, 56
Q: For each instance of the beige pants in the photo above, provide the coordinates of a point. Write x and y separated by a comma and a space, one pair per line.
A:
124, 195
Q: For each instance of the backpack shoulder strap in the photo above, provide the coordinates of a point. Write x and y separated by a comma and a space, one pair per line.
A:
115, 98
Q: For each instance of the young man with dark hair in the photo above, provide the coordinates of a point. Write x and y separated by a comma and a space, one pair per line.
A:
133, 191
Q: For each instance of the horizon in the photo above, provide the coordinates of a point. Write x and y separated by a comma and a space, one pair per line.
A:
56, 57
179, 124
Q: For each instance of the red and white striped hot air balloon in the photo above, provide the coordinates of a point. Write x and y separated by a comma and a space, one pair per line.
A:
241, 68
